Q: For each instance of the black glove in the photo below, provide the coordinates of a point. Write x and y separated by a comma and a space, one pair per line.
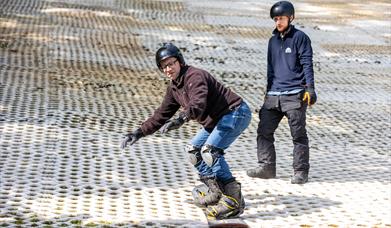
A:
310, 95
131, 138
172, 124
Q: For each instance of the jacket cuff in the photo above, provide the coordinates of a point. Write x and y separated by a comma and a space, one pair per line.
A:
310, 86
183, 116
139, 132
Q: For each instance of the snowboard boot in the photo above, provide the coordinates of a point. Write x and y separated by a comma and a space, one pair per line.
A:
208, 193
300, 177
264, 172
231, 203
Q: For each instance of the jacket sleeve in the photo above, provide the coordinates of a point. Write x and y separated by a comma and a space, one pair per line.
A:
166, 110
270, 71
305, 58
198, 95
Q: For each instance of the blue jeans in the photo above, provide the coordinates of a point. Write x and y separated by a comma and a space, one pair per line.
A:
229, 127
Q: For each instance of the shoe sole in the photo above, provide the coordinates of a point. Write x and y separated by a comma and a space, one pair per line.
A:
299, 182
261, 177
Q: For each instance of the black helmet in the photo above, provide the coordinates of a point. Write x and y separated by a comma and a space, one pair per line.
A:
168, 50
282, 8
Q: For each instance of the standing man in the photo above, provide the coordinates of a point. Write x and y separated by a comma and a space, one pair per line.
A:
223, 116
290, 89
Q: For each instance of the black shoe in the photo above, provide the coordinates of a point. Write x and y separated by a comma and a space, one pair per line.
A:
264, 172
300, 177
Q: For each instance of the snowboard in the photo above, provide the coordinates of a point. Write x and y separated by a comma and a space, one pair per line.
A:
233, 222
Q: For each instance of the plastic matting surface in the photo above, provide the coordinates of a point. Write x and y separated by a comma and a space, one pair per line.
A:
76, 75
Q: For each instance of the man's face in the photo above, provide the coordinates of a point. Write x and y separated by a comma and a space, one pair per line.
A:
282, 23
171, 67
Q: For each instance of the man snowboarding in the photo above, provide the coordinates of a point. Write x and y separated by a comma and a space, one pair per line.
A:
223, 116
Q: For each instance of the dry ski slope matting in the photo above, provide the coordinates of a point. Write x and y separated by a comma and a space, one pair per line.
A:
76, 75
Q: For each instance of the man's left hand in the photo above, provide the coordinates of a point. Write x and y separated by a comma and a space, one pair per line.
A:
310, 96
172, 124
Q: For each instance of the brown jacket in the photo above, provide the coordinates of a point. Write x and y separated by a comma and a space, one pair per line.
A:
202, 97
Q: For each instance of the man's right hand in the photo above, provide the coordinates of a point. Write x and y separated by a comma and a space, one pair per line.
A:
131, 138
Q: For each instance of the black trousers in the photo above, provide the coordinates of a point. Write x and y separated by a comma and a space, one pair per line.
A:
270, 115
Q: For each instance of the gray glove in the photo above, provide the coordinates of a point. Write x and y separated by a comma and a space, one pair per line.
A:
131, 138
172, 124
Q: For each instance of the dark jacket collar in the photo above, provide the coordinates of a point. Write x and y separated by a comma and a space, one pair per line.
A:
179, 81
289, 32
